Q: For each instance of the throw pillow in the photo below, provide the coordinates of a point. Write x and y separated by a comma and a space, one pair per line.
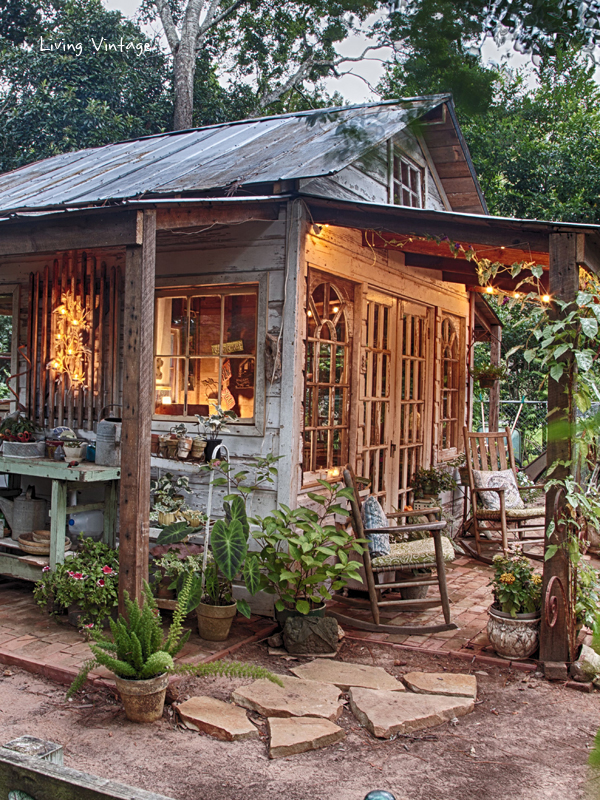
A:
502, 479
373, 516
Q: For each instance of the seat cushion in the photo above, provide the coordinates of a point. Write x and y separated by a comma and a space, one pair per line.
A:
373, 516
513, 513
501, 479
417, 553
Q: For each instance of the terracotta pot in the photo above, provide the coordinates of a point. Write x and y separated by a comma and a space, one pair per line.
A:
198, 447
143, 701
167, 517
487, 383
214, 622
513, 637
184, 446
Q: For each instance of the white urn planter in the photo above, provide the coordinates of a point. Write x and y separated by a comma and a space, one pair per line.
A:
513, 637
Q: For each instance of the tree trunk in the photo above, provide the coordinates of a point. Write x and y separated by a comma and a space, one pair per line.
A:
184, 68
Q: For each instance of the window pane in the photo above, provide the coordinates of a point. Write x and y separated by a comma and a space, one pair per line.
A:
414, 180
171, 324
240, 386
405, 174
205, 325
169, 386
239, 324
325, 363
203, 386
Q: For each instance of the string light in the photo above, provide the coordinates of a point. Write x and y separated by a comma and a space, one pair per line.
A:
489, 290
69, 351
546, 298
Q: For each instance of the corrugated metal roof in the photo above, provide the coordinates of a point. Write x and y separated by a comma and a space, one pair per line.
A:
264, 150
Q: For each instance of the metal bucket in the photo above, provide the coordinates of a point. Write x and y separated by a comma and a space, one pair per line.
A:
108, 442
29, 513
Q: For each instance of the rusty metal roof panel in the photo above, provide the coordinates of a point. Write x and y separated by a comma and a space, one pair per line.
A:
269, 149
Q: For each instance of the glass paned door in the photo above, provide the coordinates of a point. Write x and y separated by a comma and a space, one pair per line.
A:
376, 395
413, 387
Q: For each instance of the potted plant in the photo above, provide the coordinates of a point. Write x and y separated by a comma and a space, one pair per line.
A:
214, 425
487, 375
431, 482
167, 498
141, 656
171, 571
514, 617
213, 596
303, 558
22, 437
85, 586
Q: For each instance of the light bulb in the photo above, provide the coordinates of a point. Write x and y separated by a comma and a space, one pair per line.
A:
489, 290
517, 295
336, 309
166, 401
546, 298
309, 313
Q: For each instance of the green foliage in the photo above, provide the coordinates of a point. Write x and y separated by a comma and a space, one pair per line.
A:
54, 102
517, 589
89, 580
166, 492
432, 481
489, 372
174, 533
587, 600
216, 423
303, 557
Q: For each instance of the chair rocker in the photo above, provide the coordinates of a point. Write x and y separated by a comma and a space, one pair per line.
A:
492, 452
432, 552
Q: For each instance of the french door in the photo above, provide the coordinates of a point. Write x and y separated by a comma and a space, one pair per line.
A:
395, 382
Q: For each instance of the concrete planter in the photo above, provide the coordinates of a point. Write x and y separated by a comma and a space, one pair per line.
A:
513, 637
143, 701
214, 622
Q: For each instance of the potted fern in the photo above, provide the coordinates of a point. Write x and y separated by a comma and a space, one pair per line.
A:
141, 656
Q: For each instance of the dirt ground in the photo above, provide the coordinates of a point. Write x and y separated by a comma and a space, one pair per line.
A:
527, 739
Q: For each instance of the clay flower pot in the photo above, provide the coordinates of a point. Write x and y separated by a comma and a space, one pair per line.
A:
214, 622
513, 637
143, 701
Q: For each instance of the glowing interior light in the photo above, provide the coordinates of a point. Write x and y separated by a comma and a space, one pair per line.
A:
309, 313
546, 298
517, 295
336, 309
333, 473
166, 401
489, 290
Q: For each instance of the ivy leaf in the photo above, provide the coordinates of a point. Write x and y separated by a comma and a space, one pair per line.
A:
537, 271
550, 551
589, 326
562, 348
556, 371
585, 359
529, 355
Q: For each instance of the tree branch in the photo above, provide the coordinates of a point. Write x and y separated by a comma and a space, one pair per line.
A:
168, 24
211, 22
191, 23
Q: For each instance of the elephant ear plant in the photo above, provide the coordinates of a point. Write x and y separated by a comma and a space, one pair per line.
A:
139, 649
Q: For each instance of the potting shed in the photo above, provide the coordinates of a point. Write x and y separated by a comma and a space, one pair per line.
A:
300, 270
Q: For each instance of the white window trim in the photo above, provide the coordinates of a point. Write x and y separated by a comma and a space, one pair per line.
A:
396, 152
260, 280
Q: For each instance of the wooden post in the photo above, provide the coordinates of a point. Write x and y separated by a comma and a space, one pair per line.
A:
138, 345
564, 285
495, 345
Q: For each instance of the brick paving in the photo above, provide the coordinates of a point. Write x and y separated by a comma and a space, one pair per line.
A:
38, 643
34, 641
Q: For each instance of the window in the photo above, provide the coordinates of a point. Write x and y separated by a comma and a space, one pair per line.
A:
327, 375
6, 328
451, 371
406, 182
205, 353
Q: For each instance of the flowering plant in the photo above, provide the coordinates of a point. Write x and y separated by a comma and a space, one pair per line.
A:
88, 580
516, 587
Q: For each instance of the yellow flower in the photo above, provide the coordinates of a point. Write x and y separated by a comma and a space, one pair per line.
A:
536, 579
507, 577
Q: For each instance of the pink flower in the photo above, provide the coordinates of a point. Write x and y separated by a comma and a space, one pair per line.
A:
46, 568
108, 570
100, 582
77, 576
89, 625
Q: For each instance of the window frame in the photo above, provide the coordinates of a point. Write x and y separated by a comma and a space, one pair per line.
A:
396, 153
227, 284
15, 290
448, 453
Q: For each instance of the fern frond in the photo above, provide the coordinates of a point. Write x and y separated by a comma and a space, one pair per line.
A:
157, 664
136, 653
172, 644
179, 647
227, 669
82, 677
120, 668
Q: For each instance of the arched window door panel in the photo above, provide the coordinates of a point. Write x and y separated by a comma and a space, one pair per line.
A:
329, 319
451, 336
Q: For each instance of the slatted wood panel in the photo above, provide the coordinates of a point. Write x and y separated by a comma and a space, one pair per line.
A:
51, 400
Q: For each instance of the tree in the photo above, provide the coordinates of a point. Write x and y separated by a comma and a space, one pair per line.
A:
269, 48
56, 101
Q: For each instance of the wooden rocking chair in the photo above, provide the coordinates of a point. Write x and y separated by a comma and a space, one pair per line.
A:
431, 553
491, 452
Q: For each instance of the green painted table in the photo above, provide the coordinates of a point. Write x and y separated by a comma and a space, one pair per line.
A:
63, 477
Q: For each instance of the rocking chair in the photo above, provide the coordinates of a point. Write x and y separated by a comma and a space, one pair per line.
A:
431, 552
489, 453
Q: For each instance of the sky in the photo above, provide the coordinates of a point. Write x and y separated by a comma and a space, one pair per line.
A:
354, 88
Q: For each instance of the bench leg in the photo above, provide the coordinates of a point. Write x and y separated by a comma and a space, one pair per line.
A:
58, 522
110, 514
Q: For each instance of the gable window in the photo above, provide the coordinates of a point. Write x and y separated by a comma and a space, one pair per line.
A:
205, 352
327, 375
406, 187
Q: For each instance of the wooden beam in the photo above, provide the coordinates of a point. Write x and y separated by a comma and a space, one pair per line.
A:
495, 348
138, 393
70, 231
173, 218
588, 252
564, 285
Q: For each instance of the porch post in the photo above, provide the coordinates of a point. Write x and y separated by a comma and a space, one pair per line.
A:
495, 345
554, 638
138, 332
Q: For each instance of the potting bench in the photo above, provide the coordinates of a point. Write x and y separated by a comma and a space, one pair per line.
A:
63, 477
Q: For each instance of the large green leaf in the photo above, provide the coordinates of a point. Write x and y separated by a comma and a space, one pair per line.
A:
244, 608
176, 532
252, 574
229, 546
195, 594
237, 510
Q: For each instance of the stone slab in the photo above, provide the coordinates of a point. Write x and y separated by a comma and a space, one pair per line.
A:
222, 720
386, 713
296, 698
291, 736
451, 684
344, 675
